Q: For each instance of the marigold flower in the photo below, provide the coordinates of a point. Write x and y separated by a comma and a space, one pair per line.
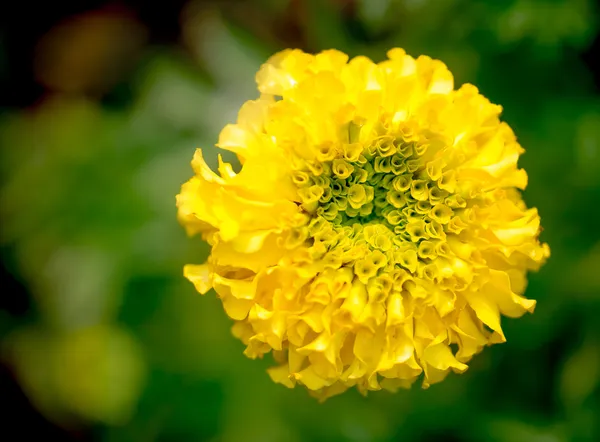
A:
375, 231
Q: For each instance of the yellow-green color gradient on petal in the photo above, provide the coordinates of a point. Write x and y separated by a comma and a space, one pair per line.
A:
375, 232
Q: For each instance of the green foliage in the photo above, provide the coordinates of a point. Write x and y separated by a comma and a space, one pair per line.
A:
118, 338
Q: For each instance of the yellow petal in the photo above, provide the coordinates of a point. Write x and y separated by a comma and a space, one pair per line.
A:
487, 312
509, 303
237, 308
439, 356
281, 375
199, 275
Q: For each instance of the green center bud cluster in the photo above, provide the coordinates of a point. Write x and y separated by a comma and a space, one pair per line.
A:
392, 196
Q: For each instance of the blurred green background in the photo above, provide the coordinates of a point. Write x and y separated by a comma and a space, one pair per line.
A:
103, 105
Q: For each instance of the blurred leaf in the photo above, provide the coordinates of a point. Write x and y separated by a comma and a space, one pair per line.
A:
95, 373
172, 99
588, 148
548, 23
99, 373
584, 275
373, 12
325, 28
80, 283
174, 408
580, 375
505, 430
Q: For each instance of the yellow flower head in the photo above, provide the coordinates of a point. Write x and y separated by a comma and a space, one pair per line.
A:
375, 222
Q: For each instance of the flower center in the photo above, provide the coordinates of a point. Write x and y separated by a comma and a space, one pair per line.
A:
391, 196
